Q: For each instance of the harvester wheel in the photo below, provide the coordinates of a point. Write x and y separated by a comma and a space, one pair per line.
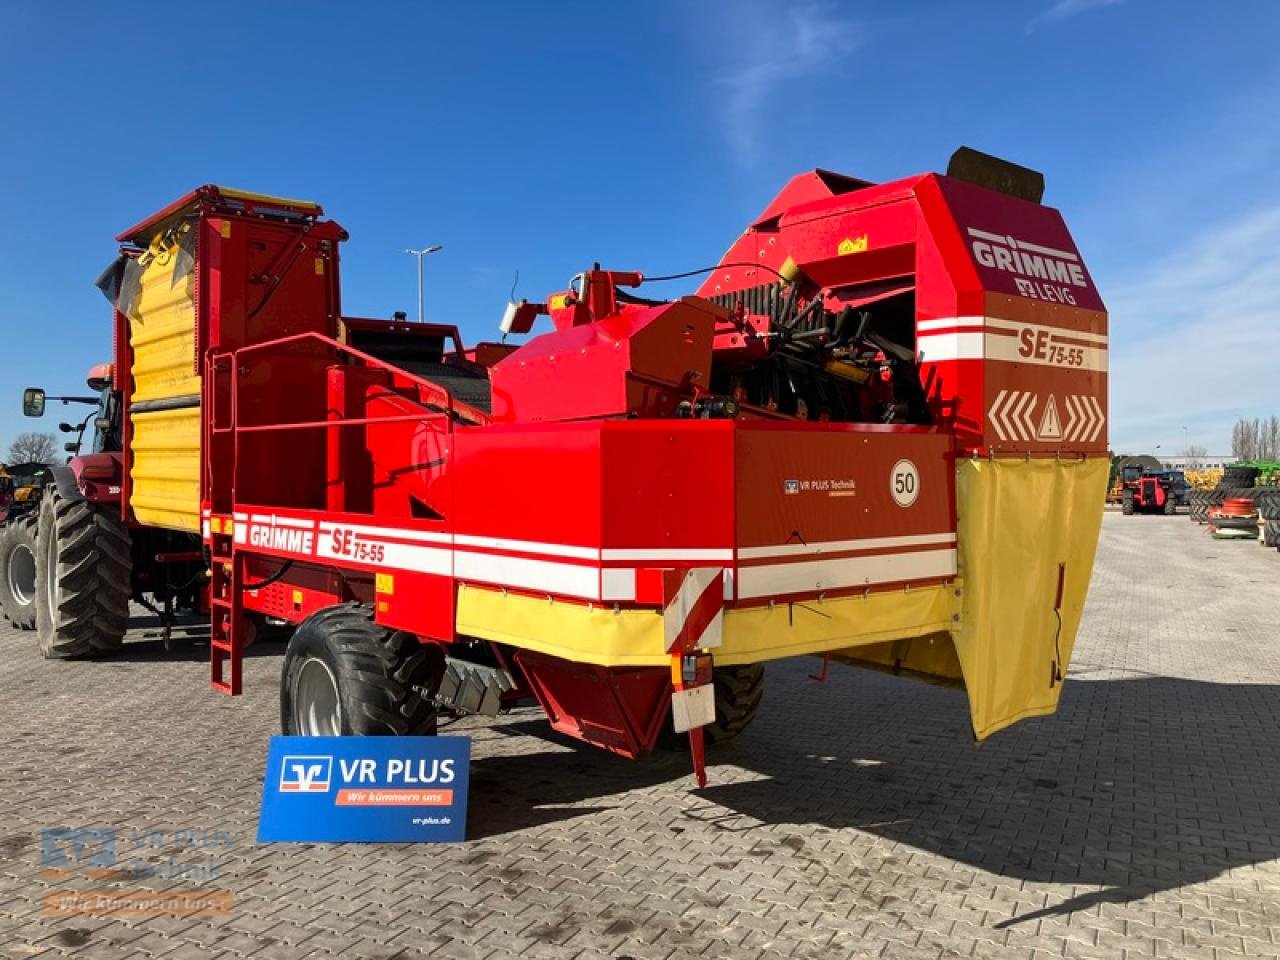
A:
345, 675
739, 691
83, 565
18, 572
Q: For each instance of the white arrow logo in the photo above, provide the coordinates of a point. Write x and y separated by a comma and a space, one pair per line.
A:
1012, 417
1084, 418
1012, 413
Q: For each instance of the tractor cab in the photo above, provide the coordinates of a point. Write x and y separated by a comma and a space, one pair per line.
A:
105, 416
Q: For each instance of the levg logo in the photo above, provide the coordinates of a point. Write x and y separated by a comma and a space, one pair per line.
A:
306, 774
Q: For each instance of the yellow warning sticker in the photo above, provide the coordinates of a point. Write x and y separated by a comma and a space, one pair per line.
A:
297, 598
852, 245
557, 302
319, 266
225, 229
384, 583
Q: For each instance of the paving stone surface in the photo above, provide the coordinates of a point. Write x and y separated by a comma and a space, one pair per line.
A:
855, 818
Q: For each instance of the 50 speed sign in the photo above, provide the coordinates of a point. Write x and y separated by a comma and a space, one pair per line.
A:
904, 483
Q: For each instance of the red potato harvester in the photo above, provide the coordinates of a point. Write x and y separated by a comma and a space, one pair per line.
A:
876, 434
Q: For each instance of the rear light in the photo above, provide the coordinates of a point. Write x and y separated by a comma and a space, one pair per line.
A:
98, 471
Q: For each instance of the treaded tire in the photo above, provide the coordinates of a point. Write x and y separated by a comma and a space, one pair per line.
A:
384, 677
18, 571
1241, 476
1126, 506
739, 691
83, 567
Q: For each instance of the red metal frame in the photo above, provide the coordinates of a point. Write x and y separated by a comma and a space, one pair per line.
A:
590, 480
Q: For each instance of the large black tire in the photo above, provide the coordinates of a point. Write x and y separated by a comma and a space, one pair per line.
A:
1199, 509
1240, 476
18, 571
83, 567
1170, 506
739, 691
379, 680
1126, 505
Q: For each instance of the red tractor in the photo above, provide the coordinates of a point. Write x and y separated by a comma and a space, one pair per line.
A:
826, 451
1153, 491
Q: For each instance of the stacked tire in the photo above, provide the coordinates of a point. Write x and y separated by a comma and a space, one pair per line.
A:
1199, 503
1267, 500
1238, 479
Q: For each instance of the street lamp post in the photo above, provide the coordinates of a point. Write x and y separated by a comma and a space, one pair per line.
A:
420, 254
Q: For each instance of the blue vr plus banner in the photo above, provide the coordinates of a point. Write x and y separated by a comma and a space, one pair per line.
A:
390, 789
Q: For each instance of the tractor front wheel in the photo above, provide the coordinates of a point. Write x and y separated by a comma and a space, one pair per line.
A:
18, 572
1170, 507
346, 676
83, 569
1127, 507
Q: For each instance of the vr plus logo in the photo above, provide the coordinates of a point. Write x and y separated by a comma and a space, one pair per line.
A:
306, 774
66, 847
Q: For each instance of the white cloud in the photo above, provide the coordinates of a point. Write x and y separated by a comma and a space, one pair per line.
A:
777, 49
1064, 10
1196, 341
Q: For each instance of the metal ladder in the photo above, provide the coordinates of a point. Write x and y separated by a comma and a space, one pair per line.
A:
226, 610
226, 587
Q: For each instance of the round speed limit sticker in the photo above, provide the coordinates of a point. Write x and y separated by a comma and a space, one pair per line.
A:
904, 483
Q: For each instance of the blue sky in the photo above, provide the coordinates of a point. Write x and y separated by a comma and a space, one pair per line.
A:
542, 136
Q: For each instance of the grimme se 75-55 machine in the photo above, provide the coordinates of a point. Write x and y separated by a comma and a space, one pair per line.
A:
876, 434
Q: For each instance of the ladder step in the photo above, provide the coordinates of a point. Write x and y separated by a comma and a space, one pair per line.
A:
223, 645
223, 687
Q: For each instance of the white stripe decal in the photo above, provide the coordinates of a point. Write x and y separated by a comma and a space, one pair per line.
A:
375, 547
367, 532
543, 576
845, 546
1054, 332
529, 546
272, 519
970, 338
777, 579
617, 583
939, 347
665, 553
949, 323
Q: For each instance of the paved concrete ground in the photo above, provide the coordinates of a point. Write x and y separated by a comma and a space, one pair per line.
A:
855, 818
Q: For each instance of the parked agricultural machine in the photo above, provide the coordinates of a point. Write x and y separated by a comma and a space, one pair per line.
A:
875, 434
1161, 491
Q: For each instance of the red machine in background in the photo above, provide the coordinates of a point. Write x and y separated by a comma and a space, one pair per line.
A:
831, 449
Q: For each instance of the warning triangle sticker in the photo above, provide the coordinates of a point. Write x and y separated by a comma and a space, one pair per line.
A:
1050, 426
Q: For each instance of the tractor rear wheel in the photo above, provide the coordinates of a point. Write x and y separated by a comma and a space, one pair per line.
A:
346, 676
83, 567
1170, 506
18, 572
1127, 506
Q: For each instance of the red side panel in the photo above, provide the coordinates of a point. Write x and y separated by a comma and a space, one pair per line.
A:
1010, 325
